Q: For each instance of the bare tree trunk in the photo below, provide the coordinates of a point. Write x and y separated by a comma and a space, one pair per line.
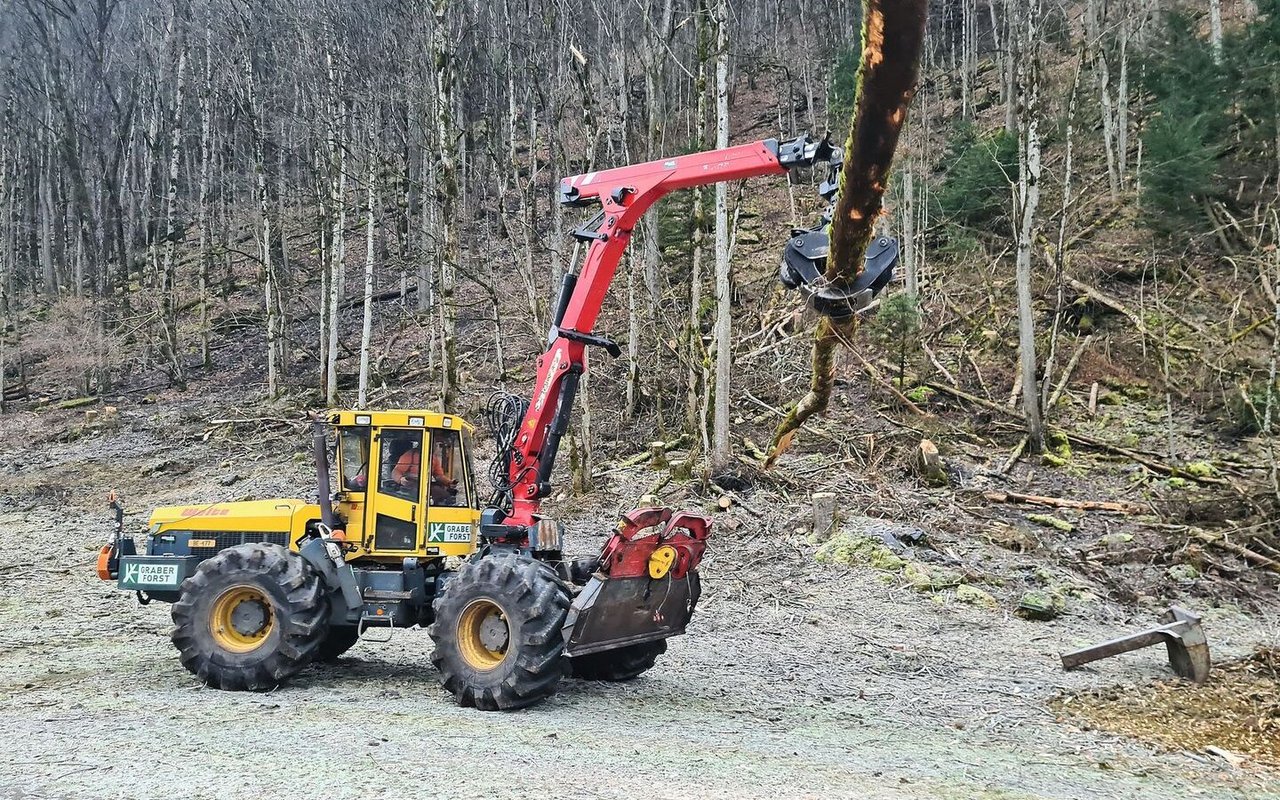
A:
1215, 29
695, 394
337, 241
720, 454
1102, 75
909, 231
1122, 102
367, 329
447, 196
170, 347
206, 160
1028, 200
264, 209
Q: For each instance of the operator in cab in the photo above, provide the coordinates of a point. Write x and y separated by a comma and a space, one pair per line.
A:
407, 470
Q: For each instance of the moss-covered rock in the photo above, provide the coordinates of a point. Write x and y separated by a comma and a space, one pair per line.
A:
858, 551
1052, 460
1042, 605
1183, 573
926, 578
974, 596
1200, 469
1115, 541
920, 394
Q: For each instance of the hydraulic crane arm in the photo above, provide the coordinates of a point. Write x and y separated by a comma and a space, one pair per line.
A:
624, 194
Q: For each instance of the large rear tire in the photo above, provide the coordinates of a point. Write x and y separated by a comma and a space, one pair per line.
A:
250, 617
621, 664
497, 636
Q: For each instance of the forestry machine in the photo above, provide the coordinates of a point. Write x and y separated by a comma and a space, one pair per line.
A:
262, 588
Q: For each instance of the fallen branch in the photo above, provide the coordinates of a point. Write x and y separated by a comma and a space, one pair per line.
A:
1148, 461
933, 359
1114, 506
1220, 541
1067, 372
977, 401
640, 458
1015, 455
1101, 297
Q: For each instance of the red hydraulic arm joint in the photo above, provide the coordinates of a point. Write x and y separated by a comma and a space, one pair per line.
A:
624, 194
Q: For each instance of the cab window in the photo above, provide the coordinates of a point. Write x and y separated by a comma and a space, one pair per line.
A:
448, 472
401, 466
353, 455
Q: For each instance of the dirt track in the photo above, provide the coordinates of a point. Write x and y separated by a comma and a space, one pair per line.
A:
797, 680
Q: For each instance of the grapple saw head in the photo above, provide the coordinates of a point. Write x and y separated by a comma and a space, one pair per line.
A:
645, 586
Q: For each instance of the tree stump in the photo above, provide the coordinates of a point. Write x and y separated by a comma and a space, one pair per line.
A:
658, 457
926, 461
824, 515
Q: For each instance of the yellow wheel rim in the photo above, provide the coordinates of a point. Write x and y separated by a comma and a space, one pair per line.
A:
483, 634
241, 619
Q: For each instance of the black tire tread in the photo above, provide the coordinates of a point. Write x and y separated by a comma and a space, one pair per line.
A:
299, 606
620, 664
536, 602
336, 642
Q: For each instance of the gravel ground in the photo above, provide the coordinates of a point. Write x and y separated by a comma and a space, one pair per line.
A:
796, 680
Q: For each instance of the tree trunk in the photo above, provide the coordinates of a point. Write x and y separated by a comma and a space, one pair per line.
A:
1122, 103
206, 161
337, 243
264, 209
1102, 75
892, 39
695, 388
367, 328
723, 328
1215, 29
170, 347
1028, 201
447, 196
909, 231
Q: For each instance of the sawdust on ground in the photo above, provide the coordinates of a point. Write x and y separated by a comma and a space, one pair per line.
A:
1237, 710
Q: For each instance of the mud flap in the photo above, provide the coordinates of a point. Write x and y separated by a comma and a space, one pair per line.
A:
616, 612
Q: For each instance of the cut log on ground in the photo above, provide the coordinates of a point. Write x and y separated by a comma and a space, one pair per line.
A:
1113, 506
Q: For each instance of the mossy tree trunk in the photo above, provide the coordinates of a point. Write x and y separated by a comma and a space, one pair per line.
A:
892, 38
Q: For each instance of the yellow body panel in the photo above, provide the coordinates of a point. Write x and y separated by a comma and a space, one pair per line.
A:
256, 516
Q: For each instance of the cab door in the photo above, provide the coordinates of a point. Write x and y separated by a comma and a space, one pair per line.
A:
395, 510
450, 495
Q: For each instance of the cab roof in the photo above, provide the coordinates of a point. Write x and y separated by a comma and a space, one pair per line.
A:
408, 418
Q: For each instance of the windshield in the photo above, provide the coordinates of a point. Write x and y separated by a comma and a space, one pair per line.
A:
353, 458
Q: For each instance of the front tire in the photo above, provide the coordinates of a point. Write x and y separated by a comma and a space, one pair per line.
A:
621, 664
497, 636
250, 617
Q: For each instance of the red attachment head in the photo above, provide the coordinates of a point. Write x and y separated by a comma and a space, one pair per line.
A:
627, 554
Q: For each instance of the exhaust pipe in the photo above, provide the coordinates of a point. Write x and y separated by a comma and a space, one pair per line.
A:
320, 448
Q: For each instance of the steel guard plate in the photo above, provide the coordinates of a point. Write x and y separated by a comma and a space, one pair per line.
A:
616, 612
